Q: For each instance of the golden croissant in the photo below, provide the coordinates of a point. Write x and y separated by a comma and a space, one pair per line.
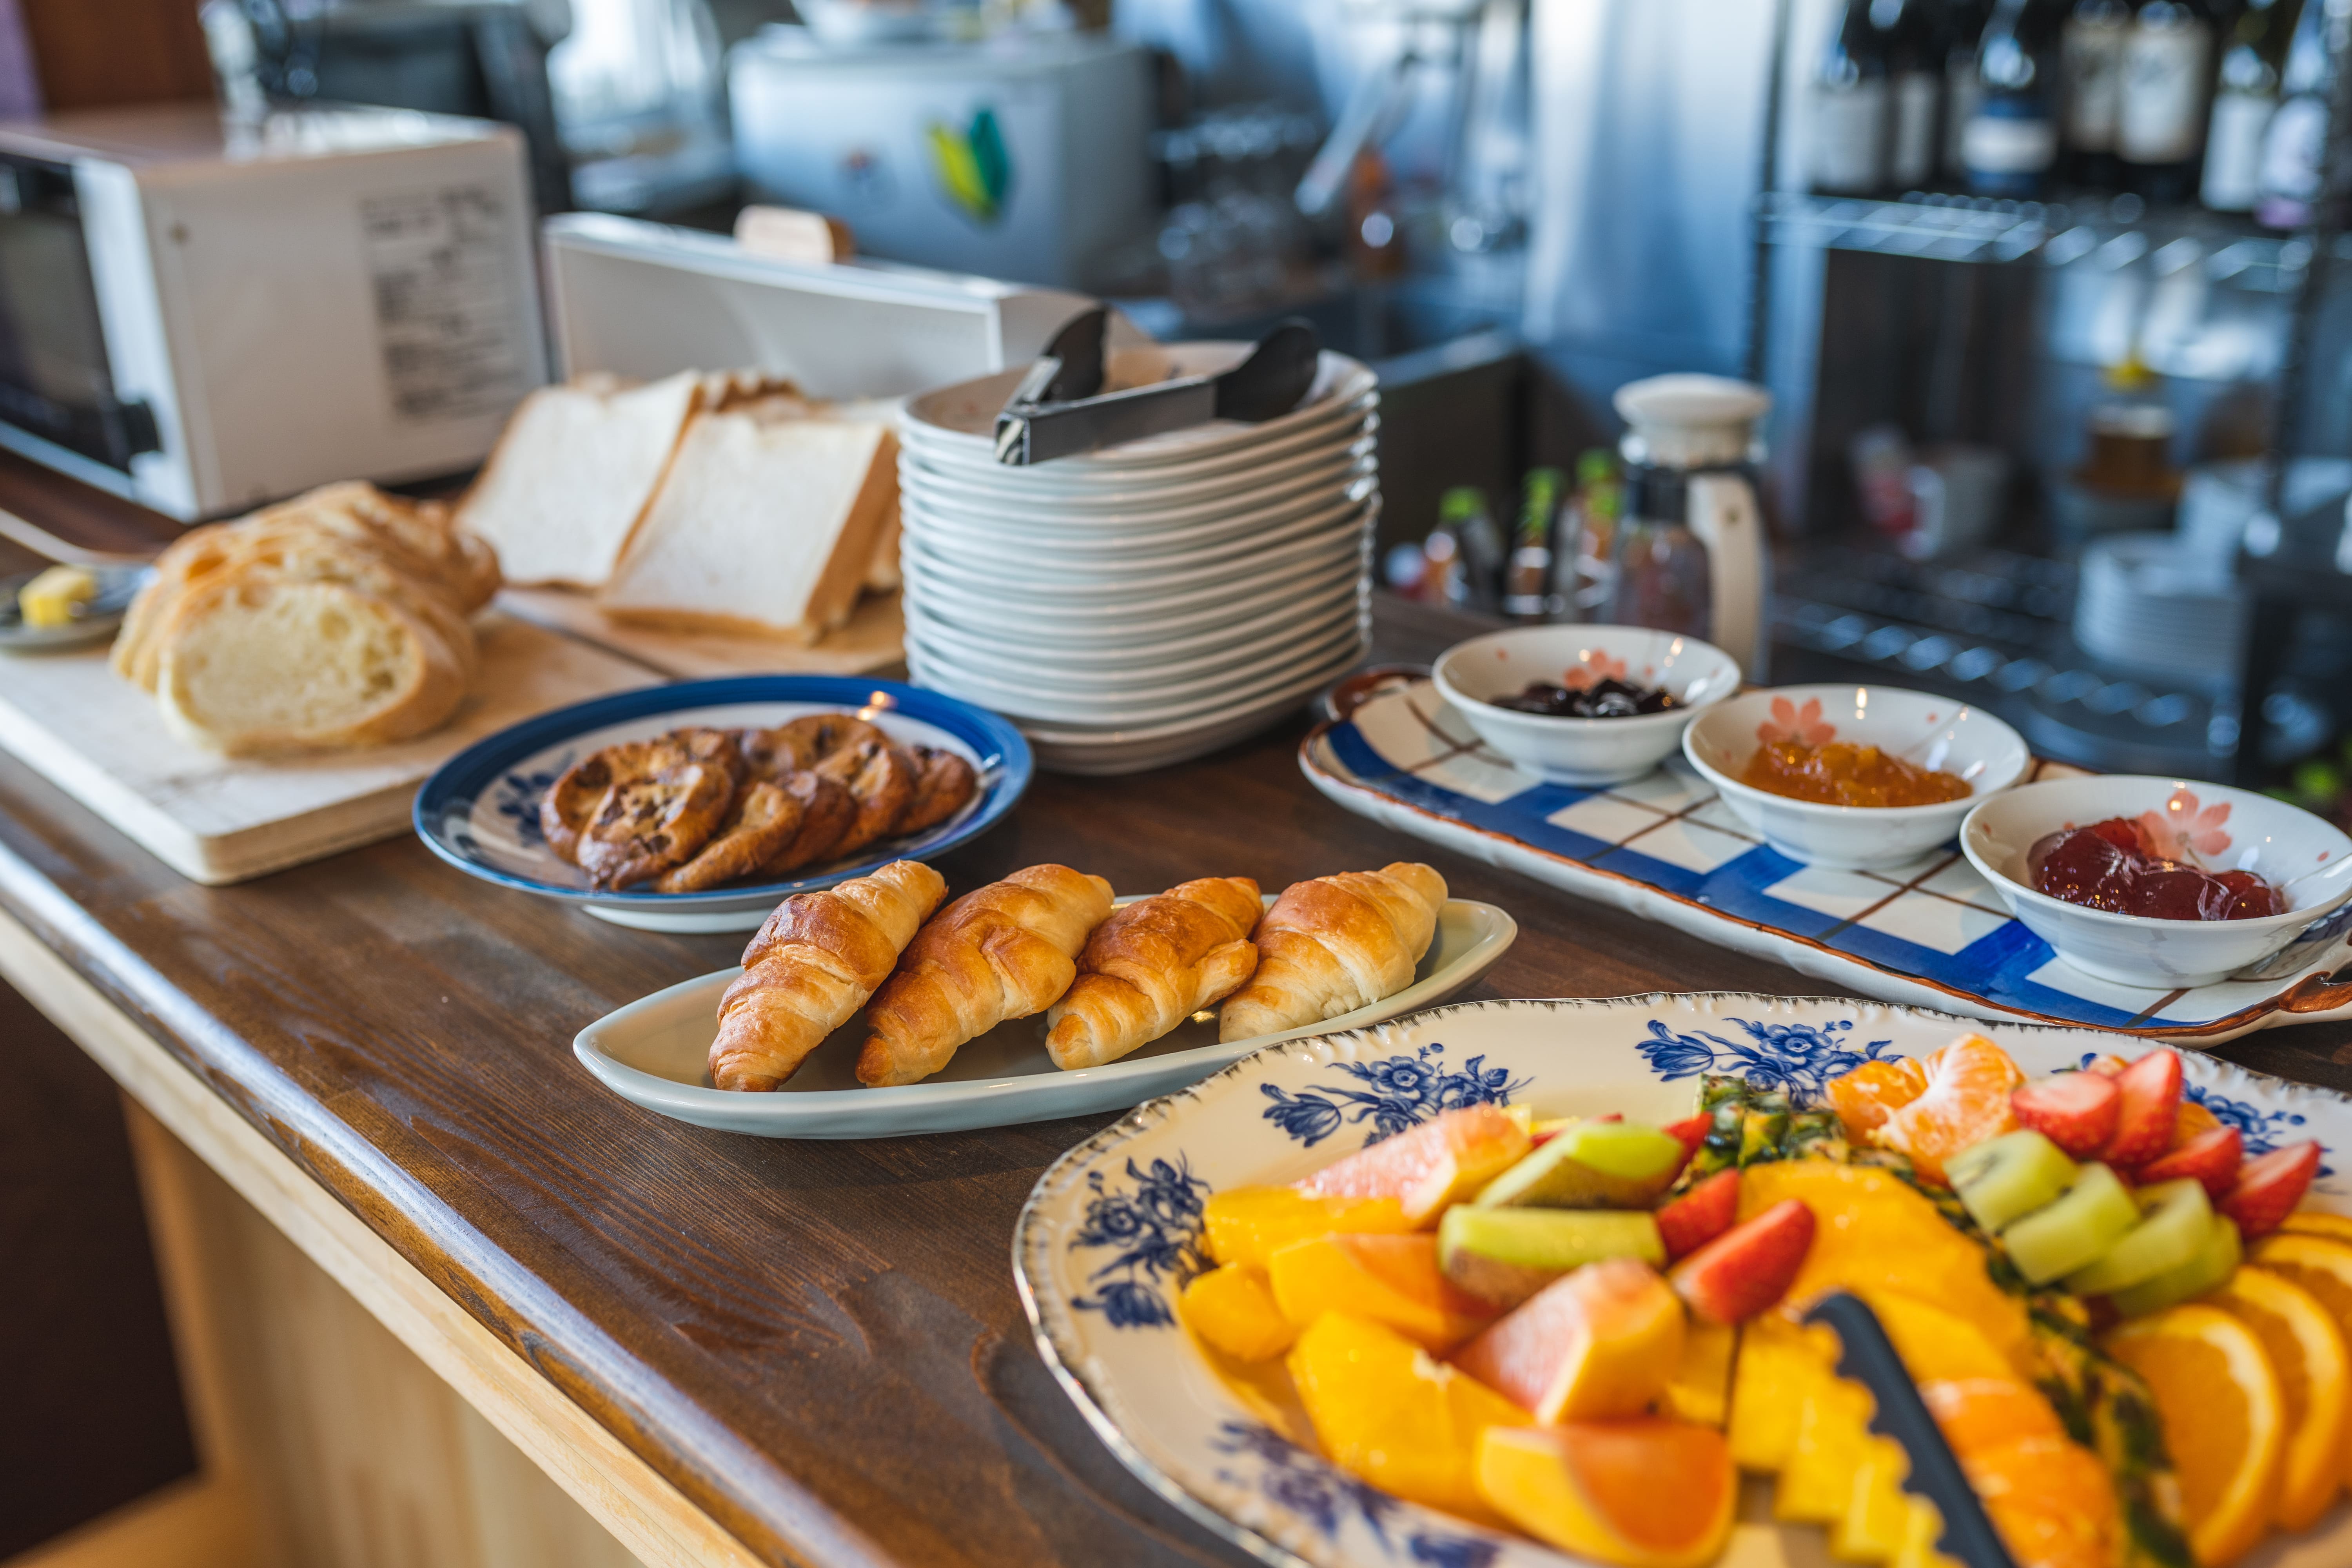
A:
812, 966
1006, 951
1152, 965
1334, 945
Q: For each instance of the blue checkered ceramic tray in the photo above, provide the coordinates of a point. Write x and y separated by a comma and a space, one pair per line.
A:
1931, 933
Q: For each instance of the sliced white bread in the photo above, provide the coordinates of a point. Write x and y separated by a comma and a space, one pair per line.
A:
262, 664
765, 524
571, 477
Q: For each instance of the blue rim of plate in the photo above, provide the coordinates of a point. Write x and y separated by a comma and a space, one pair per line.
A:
1007, 768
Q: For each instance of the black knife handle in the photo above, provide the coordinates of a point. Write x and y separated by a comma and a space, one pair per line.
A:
1867, 1355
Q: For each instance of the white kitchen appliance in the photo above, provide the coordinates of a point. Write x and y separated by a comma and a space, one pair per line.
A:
1022, 157
203, 311
646, 300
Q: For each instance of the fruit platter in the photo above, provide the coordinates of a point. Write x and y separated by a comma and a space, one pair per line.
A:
1534, 1282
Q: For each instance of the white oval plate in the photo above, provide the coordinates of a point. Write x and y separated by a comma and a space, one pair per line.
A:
1110, 506
1069, 478
1111, 1231
655, 1052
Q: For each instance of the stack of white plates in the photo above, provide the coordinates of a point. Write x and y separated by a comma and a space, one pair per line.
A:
2156, 603
1137, 606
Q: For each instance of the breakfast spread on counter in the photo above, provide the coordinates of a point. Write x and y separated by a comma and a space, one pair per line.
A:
1839, 773
1046, 939
2119, 865
700, 807
2129, 1335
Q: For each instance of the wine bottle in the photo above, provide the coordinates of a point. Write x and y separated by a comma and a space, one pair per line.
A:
1847, 153
2012, 143
2295, 143
2092, 48
2167, 79
1910, 42
2245, 96
1963, 28
1527, 581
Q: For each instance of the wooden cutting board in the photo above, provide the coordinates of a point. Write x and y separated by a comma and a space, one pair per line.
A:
220, 819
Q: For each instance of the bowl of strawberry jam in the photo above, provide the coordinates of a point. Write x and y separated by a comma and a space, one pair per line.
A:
2154, 882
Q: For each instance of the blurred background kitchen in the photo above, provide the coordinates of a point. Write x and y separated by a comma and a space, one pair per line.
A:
2048, 295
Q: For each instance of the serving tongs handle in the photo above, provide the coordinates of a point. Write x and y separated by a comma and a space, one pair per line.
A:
1868, 1356
1047, 417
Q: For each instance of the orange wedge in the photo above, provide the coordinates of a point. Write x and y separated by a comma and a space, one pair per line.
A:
2224, 1421
2322, 1266
2306, 1351
2312, 1221
1966, 1102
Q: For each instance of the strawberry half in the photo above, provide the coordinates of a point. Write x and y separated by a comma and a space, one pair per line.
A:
2269, 1185
1690, 1132
2210, 1159
1749, 1267
2075, 1111
2151, 1100
1700, 1214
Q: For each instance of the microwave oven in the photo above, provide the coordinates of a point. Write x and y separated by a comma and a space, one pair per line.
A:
204, 311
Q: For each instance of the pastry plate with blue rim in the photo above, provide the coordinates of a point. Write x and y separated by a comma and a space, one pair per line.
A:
1112, 1230
656, 1053
480, 811
1664, 847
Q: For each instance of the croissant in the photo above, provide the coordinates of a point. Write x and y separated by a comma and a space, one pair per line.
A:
1152, 964
1334, 945
812, 966
1006, 951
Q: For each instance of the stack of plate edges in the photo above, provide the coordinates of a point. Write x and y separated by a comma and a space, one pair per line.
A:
1151, 602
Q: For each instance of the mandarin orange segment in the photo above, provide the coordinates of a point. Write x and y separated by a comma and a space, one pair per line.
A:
2192, 1120
1978, 1415
2307, 1349
1966, 1102
1387, 1410
2051, 1501
2224, 1421
1864, 1097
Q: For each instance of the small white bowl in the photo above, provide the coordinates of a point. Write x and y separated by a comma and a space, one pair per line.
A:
1930, 731
2224, 829
1585, 752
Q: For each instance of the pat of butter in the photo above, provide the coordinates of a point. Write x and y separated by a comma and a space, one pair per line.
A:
48, 600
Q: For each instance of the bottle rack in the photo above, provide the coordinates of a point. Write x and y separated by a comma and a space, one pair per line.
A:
1873, 608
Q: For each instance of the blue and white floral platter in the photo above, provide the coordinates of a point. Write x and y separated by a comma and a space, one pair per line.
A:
480, 811
1112, 1231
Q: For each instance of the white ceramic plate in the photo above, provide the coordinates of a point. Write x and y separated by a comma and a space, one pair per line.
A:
1083, 621
1218, 636
1111, 505
1321, 536
1033, 562
1193, 702
1081, 478
1158, 677
1238, 521
1101, 752
653, 1052
1112, 1230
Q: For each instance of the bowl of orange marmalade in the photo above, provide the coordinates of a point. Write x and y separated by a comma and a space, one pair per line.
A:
1853, 776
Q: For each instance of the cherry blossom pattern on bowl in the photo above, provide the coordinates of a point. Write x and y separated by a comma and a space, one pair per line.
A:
2209, 825
1930, 731
1473, 675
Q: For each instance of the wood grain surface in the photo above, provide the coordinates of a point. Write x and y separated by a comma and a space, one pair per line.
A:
818, 1343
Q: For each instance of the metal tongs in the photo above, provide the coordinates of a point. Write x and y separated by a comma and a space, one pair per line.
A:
1060, 409
1868, 1356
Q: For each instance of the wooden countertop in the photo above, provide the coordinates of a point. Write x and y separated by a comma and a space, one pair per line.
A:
818, 1343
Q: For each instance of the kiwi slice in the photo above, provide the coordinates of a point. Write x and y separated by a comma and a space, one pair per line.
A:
2175, 1221
2210, 1268
2007, 1177
2055, 1240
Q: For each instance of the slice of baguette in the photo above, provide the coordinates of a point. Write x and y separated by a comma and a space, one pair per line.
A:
765, 525
260, 664
570, 478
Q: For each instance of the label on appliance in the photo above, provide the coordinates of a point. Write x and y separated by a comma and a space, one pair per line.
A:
2233, 150
2009, 144
2093, 51
1912, 159
1848, 151
445, 308
2164, 77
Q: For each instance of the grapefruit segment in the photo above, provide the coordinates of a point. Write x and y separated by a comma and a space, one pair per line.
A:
1443, 1161
1641, 1493
1602, 1341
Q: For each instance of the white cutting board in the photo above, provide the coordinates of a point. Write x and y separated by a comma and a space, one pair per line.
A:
220, 819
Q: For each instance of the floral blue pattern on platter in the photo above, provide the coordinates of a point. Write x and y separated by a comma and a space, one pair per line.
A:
1930, 934
1400, 1092
1110, 1232
480, 811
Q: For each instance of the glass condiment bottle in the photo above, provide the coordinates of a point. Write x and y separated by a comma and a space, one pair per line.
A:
2131, 431
1588, 536
1528, 579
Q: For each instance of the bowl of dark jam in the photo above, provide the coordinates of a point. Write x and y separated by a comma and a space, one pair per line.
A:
1583, 705
2162, 883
